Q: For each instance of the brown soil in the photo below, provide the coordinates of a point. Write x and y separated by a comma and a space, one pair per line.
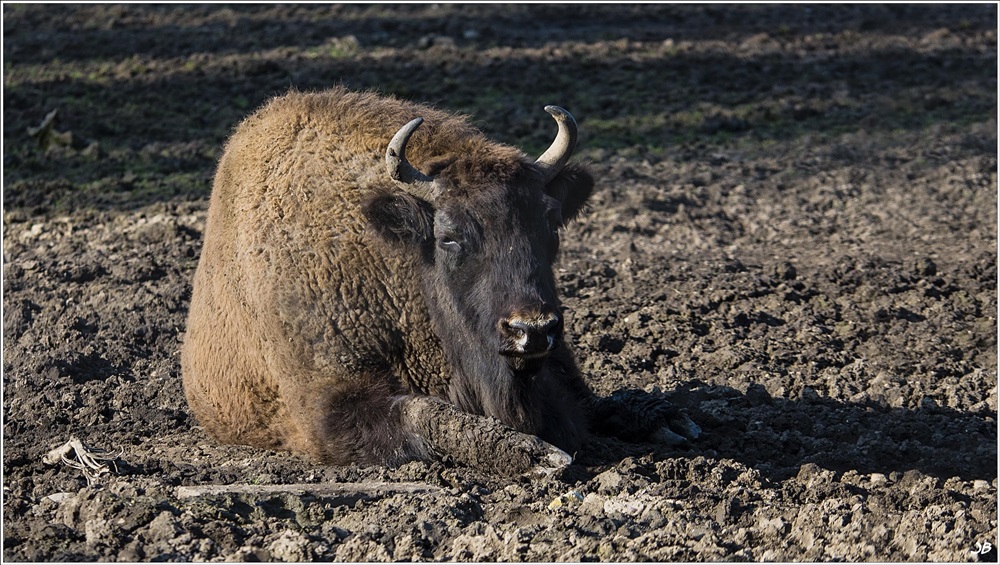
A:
794, 236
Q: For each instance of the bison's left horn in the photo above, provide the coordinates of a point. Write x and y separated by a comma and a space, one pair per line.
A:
400, 170
558, 154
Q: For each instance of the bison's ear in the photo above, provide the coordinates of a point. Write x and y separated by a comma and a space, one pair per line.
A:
571, 187
400, 218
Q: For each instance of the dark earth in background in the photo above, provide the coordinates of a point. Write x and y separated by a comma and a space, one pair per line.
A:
793, 235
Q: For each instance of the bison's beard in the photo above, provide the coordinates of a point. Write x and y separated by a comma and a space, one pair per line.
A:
485, 382
482, 380
526, 394
527, 367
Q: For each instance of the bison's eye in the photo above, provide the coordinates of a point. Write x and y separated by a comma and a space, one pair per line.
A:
553, 212
449, 244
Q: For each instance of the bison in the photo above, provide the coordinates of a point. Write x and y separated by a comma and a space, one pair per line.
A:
376, 285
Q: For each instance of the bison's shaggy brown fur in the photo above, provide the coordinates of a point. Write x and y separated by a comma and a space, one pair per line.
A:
319, 322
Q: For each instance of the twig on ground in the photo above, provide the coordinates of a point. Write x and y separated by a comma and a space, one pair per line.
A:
348, 491
87, 459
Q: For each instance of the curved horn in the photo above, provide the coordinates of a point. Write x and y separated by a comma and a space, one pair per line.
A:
399, 169
556, 156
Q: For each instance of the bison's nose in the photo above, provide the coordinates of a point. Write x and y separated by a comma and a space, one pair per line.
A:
530, 336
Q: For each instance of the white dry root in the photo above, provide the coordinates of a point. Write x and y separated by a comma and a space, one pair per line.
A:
350, 492
77, 455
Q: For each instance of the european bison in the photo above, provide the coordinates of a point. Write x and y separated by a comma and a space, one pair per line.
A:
356, 308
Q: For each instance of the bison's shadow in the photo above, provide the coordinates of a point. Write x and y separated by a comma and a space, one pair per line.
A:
776, 436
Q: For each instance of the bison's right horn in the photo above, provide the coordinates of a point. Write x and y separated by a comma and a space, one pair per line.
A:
558, 154
400, 170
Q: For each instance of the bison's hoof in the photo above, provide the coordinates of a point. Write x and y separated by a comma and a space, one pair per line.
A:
680, 431
547, 457
636, 415
552, 462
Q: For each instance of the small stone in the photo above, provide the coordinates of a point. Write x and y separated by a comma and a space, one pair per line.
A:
570, 498
58, 497
624, 505
592, 504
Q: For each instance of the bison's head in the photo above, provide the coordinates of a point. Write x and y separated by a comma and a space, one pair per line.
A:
486, 225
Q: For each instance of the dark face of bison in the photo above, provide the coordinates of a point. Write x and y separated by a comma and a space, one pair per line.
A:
492, 248
488, 235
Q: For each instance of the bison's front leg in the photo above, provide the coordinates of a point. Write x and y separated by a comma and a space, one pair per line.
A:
634, 415
478, 441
